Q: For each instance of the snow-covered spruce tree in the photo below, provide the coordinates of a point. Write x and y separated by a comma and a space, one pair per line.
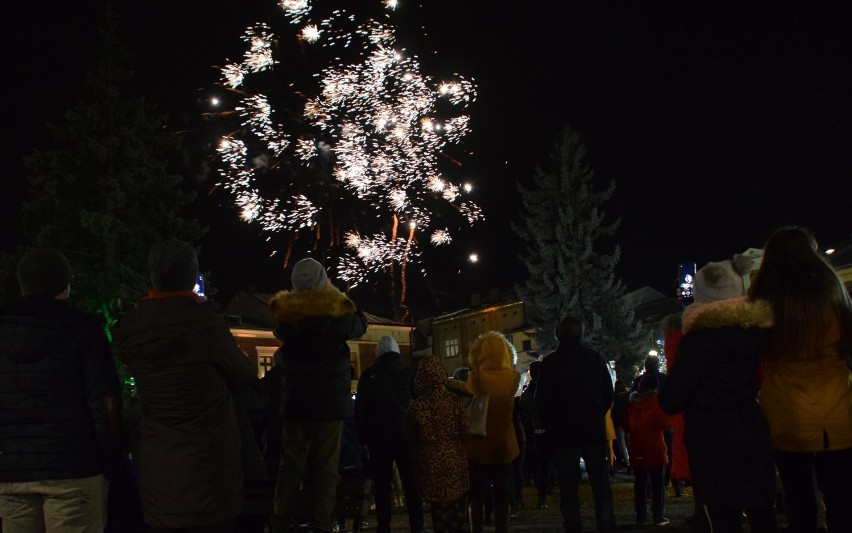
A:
562, 229
101, 192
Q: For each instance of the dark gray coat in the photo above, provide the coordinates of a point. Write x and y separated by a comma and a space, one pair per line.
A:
186, 366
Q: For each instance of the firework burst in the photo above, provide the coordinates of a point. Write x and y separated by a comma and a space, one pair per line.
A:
369, 133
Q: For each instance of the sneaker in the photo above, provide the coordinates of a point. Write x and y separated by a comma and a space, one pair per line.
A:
661, 522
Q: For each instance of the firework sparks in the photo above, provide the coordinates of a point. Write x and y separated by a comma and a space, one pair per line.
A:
376, 118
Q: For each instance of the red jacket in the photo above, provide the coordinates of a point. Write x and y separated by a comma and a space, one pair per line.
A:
646, 423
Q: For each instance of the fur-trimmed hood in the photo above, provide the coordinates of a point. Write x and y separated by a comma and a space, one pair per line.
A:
737, 312
289, 307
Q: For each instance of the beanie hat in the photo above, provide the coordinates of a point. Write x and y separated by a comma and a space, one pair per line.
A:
648, 383
44, 272
308, 275
722, 280
173, 265
387, 344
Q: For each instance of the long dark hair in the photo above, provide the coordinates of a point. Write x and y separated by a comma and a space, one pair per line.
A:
807, 296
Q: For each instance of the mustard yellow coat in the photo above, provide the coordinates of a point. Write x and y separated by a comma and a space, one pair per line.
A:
808, 402
492, 373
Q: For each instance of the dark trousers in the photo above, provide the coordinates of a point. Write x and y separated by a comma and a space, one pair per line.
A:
833, 473
516, 478
727, 520
641, 479
597, 466
546, 450
382, 457
481, 476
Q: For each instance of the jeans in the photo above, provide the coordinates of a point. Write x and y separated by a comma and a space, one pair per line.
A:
641, 476
319, 443
597, 465
382, 458
66, 505
833, 471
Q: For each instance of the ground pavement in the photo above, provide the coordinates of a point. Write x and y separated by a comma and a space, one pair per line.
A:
534, 520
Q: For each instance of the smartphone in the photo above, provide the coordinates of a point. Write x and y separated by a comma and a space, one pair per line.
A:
199, 287
686, 282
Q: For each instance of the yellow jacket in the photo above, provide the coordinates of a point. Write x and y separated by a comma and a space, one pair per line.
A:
808, 402
492, 373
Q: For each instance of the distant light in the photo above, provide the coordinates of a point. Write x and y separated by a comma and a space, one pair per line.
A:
468, 187
412, 224
473, 258
391, 4
214, 101
652, 352
830, 251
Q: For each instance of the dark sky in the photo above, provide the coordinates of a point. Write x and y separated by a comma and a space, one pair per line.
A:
717, 122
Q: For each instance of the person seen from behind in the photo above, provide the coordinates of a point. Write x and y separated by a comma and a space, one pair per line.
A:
313, 322
59, 405
439, 426
715, 383
492, 373
807, 386
647, 423
381, 408
574, 393
187, 369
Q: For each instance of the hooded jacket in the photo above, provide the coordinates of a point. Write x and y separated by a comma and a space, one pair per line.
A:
439, 426
56, 373
316, 377
186, 366
574, 394
383, 399
492, 374
646, 423
714, 382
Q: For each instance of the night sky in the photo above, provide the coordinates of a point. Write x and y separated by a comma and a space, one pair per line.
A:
718, 122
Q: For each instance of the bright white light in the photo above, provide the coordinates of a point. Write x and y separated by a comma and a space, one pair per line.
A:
391, 4
468, 187
214, 102
473, 258
652, 352
310, 33
830, 251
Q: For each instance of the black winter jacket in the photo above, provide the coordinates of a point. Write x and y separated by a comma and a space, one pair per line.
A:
383, 399
316, 375
187, 367
573, 395
56, 375
714, 382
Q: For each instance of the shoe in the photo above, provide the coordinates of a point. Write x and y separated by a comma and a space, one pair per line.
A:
661, 522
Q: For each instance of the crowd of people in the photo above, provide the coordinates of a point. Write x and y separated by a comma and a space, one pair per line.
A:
755, 401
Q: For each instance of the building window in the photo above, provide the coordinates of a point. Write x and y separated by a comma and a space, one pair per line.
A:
451, 347
265, 355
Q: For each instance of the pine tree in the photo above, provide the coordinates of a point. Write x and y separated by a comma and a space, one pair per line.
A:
563, 227
102, 194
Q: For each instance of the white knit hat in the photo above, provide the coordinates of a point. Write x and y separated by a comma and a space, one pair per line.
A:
722, 280
308, 275
387, 344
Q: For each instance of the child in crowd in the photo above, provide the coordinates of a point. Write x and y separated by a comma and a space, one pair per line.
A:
647, 423
439, 426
